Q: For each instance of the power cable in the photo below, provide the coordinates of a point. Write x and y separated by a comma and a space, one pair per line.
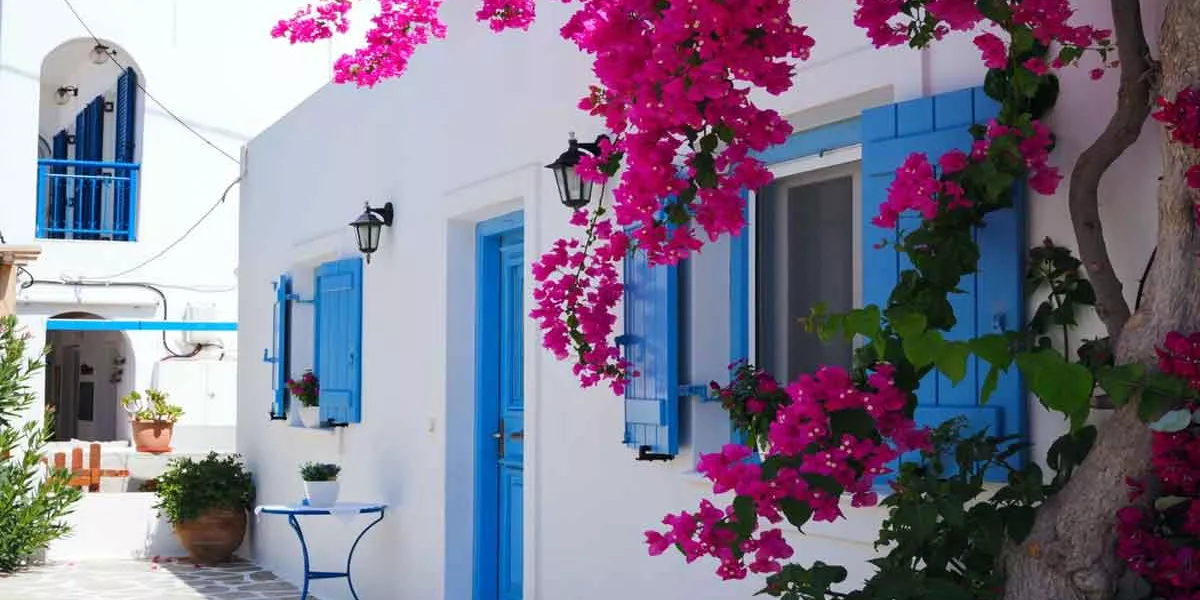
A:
138, 83
174, 243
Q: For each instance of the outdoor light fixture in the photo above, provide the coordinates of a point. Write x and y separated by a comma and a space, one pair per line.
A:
574, 191
368, 227
101, 53
64, 94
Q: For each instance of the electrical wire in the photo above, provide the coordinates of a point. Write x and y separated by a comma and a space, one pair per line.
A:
171, 353
112, 56
172, 244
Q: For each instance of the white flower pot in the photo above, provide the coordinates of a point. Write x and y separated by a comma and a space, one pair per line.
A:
310, 416
321, 494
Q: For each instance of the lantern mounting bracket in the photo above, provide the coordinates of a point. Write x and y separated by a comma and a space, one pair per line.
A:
385, 212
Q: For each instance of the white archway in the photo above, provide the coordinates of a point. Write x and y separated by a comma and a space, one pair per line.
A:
87, 373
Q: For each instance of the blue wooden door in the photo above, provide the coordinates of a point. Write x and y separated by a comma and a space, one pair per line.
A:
501, 412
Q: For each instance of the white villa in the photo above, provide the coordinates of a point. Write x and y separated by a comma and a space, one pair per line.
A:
120, 143
426, 355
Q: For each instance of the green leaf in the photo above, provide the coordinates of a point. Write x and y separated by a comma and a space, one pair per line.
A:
993, 348
798, 513
921, 350
907, 323
745, 515
952, 360
941, 589
856, 422
1173, 421
990, 382
1062, 386
1120, 382
708, 143
925, 519
1019, 522
824, 483
864, 321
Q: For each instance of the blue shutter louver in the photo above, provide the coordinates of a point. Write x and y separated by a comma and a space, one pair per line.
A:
338, 308
281, 364
650, 344
126, 126
993, 298
57, 206
89, 189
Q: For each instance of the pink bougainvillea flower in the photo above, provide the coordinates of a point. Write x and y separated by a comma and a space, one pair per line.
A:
995, 53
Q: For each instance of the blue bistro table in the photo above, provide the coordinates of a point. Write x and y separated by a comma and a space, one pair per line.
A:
341, 508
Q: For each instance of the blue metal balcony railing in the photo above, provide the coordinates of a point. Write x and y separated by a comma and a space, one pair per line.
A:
87, 200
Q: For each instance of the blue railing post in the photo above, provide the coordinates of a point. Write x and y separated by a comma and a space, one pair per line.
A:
131, 225
43, 172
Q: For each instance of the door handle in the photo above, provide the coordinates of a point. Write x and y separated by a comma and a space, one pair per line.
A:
499, 437
517, 436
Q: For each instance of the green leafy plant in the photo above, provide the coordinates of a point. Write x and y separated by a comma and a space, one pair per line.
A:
152, 407
33, 503
315, 471
188, 488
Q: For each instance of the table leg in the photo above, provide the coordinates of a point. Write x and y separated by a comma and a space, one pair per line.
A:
295, 523
350, 557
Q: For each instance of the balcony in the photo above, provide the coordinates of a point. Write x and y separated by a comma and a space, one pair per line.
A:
87, 200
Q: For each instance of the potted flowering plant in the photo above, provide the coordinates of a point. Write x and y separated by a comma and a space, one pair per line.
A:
752, 398
321, 486
152, 419
307, 391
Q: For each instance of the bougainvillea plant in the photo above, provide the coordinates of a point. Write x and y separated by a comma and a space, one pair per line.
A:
675, 87
752, 398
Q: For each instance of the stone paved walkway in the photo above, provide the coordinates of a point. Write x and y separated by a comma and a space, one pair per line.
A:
145, 580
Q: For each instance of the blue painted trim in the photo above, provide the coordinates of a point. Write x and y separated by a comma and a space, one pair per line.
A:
137, 325
488, 236
814, 142
43, 172
95, 164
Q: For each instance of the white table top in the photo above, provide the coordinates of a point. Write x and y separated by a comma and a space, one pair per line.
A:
339, 508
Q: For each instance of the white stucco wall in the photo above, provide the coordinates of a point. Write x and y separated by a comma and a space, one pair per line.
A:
213, 65
462, 137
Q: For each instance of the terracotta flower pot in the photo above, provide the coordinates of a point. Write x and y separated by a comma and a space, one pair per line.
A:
152, 436
212, 537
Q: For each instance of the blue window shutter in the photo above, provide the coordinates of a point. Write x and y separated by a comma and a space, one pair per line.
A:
281, 363
994, 298
124, 151
339, 340
651, 345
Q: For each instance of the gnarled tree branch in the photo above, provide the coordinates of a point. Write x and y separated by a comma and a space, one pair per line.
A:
1133, 107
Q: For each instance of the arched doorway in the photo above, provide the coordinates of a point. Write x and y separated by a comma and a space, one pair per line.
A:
87, 373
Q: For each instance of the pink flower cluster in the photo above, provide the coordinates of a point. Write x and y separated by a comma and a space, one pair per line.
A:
399, 28
579, 285
669, 74
1181, 117
1180, 356
1149, 541
305, 26
507, 14
802, 437
917, 186
891, 23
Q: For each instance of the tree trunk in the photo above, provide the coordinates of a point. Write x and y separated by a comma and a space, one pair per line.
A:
1069, 554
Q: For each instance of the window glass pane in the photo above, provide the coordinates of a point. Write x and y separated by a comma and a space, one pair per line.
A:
804, 256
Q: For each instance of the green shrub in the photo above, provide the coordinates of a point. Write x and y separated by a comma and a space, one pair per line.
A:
314, 471
189, 487
34, 503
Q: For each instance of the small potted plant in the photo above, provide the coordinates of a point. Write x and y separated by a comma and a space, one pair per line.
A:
752, 398
320, 483
307, 391
152, 419
206, 502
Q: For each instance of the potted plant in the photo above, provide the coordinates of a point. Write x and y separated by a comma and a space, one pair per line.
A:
307, 392
206, 502
320, 483
152, 419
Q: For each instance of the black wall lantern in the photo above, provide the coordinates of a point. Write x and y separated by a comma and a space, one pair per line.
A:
369, 226
573, 190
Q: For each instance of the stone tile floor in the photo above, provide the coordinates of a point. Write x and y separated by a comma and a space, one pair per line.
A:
146, 580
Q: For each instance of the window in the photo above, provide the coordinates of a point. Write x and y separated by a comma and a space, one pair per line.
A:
89, 158
805, 254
